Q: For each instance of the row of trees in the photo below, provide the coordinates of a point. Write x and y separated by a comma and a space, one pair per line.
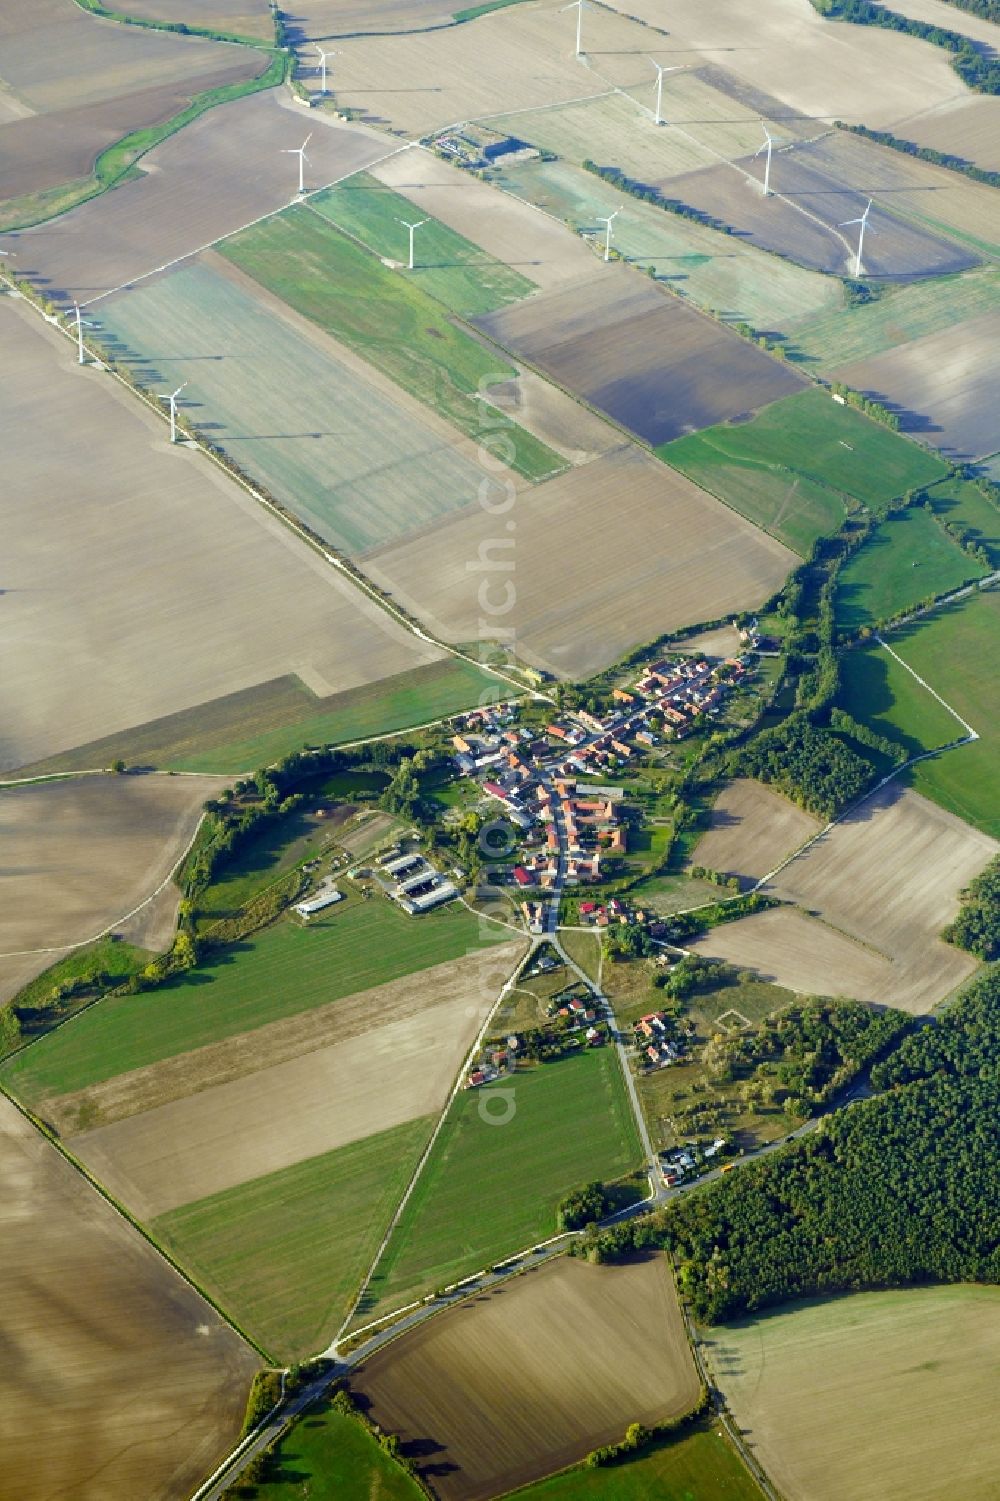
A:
928, 153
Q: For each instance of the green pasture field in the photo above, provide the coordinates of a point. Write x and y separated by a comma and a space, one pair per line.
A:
699, 1464
446, 265
329, 1456
241, 731
389, 320
880, 693
717, 272
841, 335
908, 558
281, 971
352, 463
284, 1254
585, 949
789, 468
959, 502
955, 650
490, 1189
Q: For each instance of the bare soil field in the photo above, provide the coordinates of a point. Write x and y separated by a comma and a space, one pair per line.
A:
555, 417
520, 57
943, 386
601, 558
969, 128
724, 641
498, 223
149, 548
889, 875
751, 828
242, 17
81, 854
110, 1353
789, 948
817, 186
82, 82
527, 1378
338, 444
909, 1376
194, 189
402, 1046
950, 18
649, 361
819, 68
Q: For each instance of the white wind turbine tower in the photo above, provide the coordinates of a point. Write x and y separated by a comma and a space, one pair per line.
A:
81, 324
578, 6
413, 229
859, 269
607, 220
300, 152
768, 144
322, 63
172, 398
660, 70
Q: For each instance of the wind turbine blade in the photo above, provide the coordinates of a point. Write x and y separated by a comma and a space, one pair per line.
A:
305, 143
845, 222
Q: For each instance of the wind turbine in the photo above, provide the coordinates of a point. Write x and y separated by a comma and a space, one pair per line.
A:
660, 70
322, 63
607, 220
300, 152
172, 398
413, 229
81, 324
859, 269
768, 143
578, 6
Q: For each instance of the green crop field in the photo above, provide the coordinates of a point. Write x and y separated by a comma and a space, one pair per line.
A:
790, 466
842, 335
284, 1254
282, 971
357, 467
717, 272
909, 558
960, 503
880, 693
329, 1456
496, 1175
390, 321
234, 734
698, 1465
446, 264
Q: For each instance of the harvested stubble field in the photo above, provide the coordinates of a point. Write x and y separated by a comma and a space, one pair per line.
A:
643, 357
520, 57
265, 1100
496, 1175
907, 559
812, 195
386, 319
819, 68
284, 1254
719, 273
192, 190
678, 555
110, 1353
88, 613
791, 466
251, 18
842, 335
750, 829
968, 128
446, 265
576, 1353
909, 1376
285, 970
323, 19
889, 876
355, 458
498, 223
72, 84
943, 386
952, 650
789, 948
81, 854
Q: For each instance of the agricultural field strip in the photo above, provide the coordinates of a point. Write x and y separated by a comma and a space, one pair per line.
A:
354, 578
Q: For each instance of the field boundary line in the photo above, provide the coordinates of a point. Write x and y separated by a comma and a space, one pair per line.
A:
972, 734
